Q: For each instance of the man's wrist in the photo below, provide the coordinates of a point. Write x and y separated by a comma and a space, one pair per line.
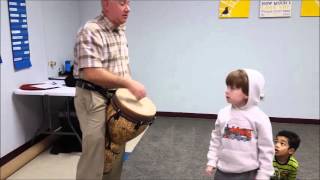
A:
124, 82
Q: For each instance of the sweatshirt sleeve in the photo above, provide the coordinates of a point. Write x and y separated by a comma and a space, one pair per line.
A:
215, 143
265, 149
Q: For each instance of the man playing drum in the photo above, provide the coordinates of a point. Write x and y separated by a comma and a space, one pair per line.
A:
101, 62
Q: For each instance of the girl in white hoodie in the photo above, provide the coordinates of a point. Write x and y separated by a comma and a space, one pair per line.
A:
241, 145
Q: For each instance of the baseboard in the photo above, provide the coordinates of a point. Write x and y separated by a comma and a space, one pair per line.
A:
295, 120
214, 116
21, 149
186, 115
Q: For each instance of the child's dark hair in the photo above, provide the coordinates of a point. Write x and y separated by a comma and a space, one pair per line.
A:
293, 138
238, 79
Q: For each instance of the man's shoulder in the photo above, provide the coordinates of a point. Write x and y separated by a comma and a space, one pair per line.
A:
93, 24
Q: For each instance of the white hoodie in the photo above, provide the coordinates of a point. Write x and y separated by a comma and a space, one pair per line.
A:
242, 139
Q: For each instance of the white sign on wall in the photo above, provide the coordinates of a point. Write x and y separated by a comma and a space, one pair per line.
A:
275, 8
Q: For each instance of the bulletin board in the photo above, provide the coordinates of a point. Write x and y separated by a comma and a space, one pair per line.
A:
19, 34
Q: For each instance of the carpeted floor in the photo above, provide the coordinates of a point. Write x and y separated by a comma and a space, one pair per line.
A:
176, 148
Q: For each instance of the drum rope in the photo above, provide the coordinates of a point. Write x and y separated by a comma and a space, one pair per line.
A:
116, 116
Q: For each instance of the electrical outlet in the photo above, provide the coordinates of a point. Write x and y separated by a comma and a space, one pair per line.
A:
52, 63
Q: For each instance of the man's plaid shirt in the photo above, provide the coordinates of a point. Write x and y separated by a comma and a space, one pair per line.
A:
99, 44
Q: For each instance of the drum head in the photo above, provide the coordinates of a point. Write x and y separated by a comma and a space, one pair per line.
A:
129, 104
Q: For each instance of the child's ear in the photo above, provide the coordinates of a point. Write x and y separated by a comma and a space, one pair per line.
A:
291, 151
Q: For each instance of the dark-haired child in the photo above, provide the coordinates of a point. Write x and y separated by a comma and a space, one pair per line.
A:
285, 165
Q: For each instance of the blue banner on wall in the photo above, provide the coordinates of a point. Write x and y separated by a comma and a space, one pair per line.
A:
19, 34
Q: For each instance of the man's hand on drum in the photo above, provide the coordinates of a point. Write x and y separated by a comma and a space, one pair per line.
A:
137, 89
209, 170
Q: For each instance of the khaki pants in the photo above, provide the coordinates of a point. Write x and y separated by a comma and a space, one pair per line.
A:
91, 108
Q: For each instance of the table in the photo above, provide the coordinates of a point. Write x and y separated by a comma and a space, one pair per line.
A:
69, 93
62, 91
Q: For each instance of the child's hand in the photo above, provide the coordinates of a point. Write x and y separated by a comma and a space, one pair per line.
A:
209, 170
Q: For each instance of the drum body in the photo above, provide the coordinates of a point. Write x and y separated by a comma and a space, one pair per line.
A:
126, 118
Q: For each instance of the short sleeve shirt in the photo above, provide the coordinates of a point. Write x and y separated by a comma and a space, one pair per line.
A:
100, 44
287, 171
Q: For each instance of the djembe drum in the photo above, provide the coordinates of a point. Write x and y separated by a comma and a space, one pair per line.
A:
126, 118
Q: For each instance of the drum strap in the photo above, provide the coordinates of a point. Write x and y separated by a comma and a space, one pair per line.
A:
106, 93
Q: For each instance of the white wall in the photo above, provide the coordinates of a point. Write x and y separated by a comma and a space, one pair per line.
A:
89, 9
21, 115
182, 52
60, 28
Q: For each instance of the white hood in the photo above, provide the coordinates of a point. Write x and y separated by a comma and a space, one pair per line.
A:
256, 87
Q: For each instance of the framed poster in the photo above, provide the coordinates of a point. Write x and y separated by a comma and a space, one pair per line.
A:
275, 8
310, 7
19, 34
234, 8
